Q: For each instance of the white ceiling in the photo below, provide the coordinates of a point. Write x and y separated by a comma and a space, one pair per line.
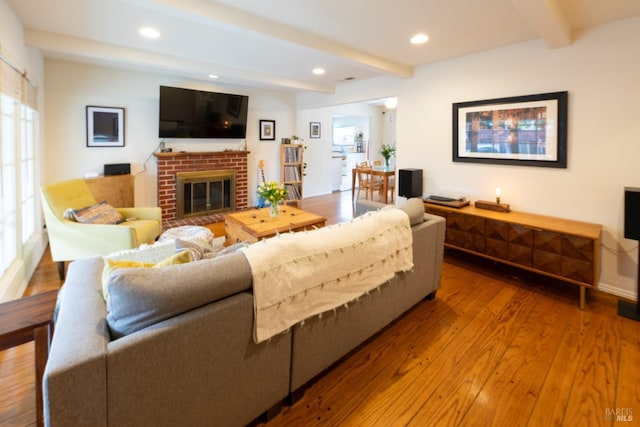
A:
276, 43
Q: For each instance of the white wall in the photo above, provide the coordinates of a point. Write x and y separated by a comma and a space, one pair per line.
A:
318, 153
73, 86
15, 279
599, 70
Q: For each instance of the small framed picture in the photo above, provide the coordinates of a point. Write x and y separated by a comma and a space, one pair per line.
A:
105, 126
267, 130
314, 129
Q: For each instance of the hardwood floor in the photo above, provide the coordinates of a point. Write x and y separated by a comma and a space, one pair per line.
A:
497, 346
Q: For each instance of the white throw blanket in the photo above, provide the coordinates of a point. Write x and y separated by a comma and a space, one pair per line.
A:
299, 275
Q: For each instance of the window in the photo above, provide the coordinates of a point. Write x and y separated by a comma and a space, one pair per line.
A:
21, 242
351, 131
28, 172
8, 183
345, 135
17, 178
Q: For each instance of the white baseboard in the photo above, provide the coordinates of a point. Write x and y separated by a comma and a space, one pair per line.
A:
15, 280
623, 293
12, 283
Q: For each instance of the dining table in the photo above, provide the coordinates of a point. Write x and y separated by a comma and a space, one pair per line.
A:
382, 171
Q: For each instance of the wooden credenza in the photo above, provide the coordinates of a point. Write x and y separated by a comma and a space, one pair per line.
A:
561, 248
118, 190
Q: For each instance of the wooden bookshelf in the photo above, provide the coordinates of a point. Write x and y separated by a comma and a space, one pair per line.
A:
292, 172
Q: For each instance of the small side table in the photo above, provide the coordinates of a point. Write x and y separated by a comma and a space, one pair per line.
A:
30, 319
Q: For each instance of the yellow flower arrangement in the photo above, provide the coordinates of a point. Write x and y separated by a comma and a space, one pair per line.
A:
272, 191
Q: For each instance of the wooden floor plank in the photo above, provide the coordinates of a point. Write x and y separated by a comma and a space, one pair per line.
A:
431, 351
391, 365
473, 364
510, 393
594, 387
628, 388
401, 403
553, 398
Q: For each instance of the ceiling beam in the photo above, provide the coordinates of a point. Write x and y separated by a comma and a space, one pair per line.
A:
217, 14
99, 52
547, 18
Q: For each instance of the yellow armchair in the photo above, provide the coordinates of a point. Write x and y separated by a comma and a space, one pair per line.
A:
70, 240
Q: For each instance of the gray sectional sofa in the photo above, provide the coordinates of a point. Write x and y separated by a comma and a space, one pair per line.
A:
184, 354
321, 342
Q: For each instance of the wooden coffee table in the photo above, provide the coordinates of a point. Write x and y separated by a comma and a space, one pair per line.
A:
256, 224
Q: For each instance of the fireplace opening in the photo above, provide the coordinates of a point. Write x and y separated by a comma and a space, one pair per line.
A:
205, 192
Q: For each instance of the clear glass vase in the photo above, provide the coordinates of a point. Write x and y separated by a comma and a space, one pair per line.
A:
274, 210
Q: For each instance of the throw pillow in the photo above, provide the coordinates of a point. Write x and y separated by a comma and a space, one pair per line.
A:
140, 297
111, 265
99, 213
197, 248
413, 207
228, 250
153, 253
187, 232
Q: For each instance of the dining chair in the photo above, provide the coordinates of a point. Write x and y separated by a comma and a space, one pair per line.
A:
391, 181
366, 182
391, 187
377, 163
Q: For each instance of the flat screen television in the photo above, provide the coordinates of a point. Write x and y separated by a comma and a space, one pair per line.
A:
188, 113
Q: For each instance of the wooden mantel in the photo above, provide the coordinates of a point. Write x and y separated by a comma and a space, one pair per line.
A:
200, 153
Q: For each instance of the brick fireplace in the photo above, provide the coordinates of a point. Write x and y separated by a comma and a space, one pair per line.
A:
171, 163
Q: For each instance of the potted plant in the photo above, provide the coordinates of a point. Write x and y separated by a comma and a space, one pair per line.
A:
387, 152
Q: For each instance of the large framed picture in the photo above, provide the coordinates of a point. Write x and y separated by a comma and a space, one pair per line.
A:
105, 127
267, 130
526, 130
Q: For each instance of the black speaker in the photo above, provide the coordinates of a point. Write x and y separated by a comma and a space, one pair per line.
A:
117, 169
410, 183
632, 231
632, 213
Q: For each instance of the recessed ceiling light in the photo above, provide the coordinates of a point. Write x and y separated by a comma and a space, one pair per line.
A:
149, 32
213, 76
318, 71
419, 39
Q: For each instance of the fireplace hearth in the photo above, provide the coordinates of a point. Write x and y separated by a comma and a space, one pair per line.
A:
171, 164
205, 192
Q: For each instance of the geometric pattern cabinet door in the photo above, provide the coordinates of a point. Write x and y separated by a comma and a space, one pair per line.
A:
547, 251
474, 233
577, 258
520, 248
497, 238
455, 229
